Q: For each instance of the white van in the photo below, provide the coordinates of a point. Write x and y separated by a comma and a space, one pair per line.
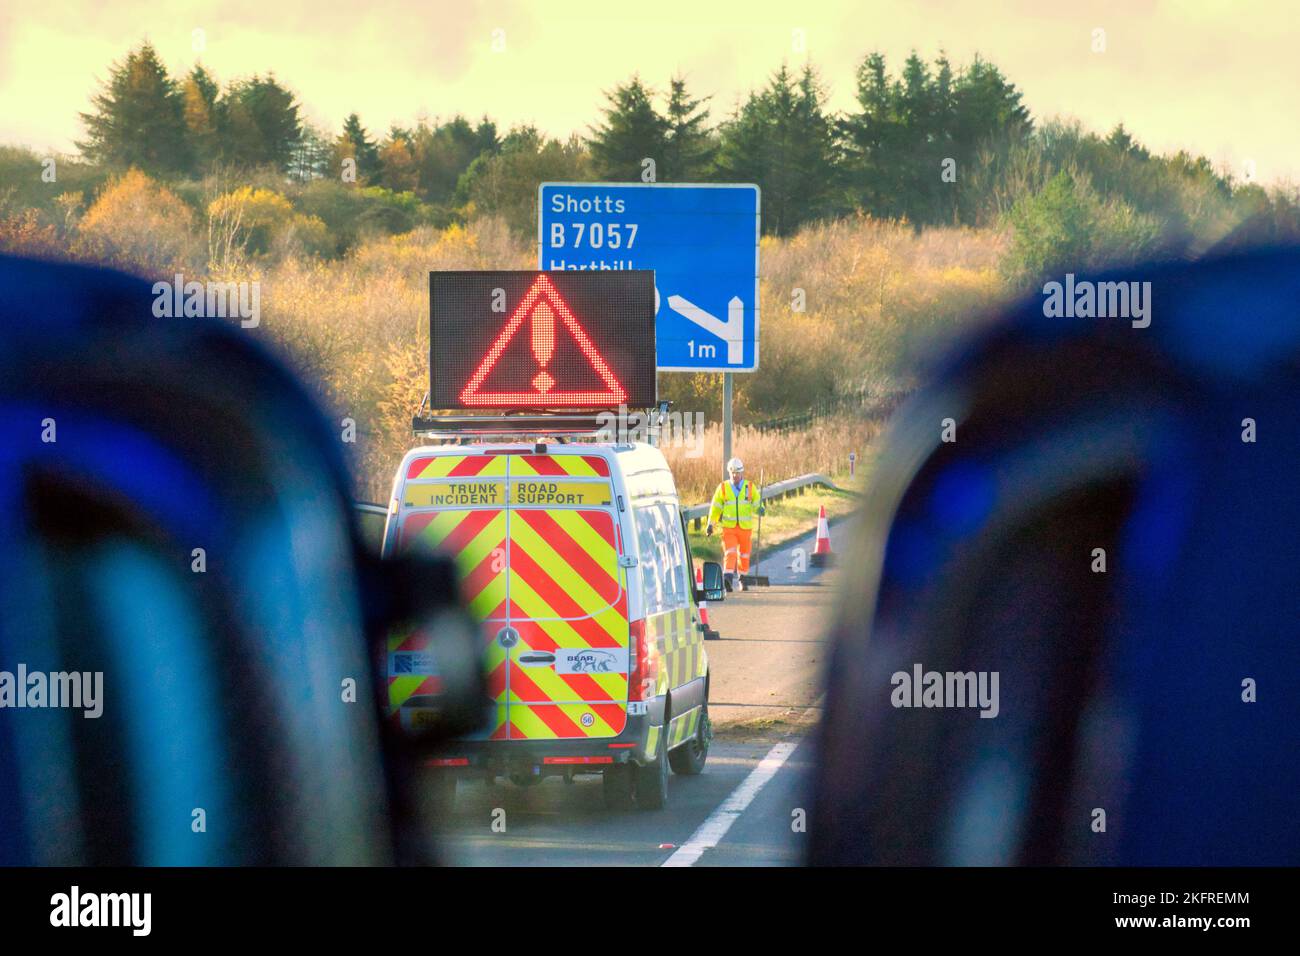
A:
574, 558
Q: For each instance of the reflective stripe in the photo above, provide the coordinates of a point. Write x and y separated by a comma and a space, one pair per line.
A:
682, 727
547, 721
476, 540
458, 466
548, 567
681, 652
494, 466
732, 510
577, 465
566, 591
575, 555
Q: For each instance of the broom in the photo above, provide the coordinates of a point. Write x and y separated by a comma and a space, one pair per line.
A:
758, 579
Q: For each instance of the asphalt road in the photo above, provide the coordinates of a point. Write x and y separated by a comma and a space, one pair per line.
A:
779, 565
746, 809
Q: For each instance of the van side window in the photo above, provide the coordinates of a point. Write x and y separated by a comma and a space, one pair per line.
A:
650, 558
679, 560
661, 552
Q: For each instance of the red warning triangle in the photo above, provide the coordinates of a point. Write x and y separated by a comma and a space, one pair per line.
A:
542, 304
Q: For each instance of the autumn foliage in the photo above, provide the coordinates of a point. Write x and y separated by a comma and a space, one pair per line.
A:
140, 225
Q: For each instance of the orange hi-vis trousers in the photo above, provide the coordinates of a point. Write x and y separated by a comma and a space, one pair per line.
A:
735, 549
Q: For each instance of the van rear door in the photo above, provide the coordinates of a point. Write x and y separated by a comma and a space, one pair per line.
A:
456, 504
536, 543
568, 674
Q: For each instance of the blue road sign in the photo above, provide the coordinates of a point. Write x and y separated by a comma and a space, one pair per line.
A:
700, 240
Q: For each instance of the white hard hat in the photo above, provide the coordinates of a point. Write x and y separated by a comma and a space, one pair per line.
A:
735, 465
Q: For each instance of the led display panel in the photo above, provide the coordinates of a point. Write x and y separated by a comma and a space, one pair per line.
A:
553, 341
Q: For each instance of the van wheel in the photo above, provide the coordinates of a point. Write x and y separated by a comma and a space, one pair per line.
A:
688, 759
652, 779
616, 782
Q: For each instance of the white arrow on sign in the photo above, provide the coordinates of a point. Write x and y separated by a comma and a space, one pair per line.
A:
731, 331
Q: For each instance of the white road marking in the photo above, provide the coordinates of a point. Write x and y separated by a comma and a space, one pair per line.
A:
712, 830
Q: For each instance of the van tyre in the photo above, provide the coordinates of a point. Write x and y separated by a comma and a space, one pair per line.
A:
689, 758
652, 779
617, 783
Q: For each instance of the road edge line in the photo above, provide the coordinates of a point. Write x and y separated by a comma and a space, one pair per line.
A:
710, 833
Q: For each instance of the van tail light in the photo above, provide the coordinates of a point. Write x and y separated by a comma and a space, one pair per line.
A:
645, 663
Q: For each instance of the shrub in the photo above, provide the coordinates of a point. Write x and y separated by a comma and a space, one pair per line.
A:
24, 234
1067, 226
353, 214
138, 225
22, 171
264, 223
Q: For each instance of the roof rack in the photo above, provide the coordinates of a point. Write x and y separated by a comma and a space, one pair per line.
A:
532, 424
585, 424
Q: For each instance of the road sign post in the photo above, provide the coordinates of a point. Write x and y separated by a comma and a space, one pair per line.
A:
726, 420
701, 241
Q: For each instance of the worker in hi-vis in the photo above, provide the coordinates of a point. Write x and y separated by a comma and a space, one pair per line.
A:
734, 505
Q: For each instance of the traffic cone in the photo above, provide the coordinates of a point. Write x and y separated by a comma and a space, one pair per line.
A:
822, 555
709, 633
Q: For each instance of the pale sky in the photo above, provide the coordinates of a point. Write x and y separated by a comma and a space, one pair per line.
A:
1217, 77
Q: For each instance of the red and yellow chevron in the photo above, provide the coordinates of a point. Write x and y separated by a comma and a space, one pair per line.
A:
550, 573
557, 466
566, 592
458, 466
